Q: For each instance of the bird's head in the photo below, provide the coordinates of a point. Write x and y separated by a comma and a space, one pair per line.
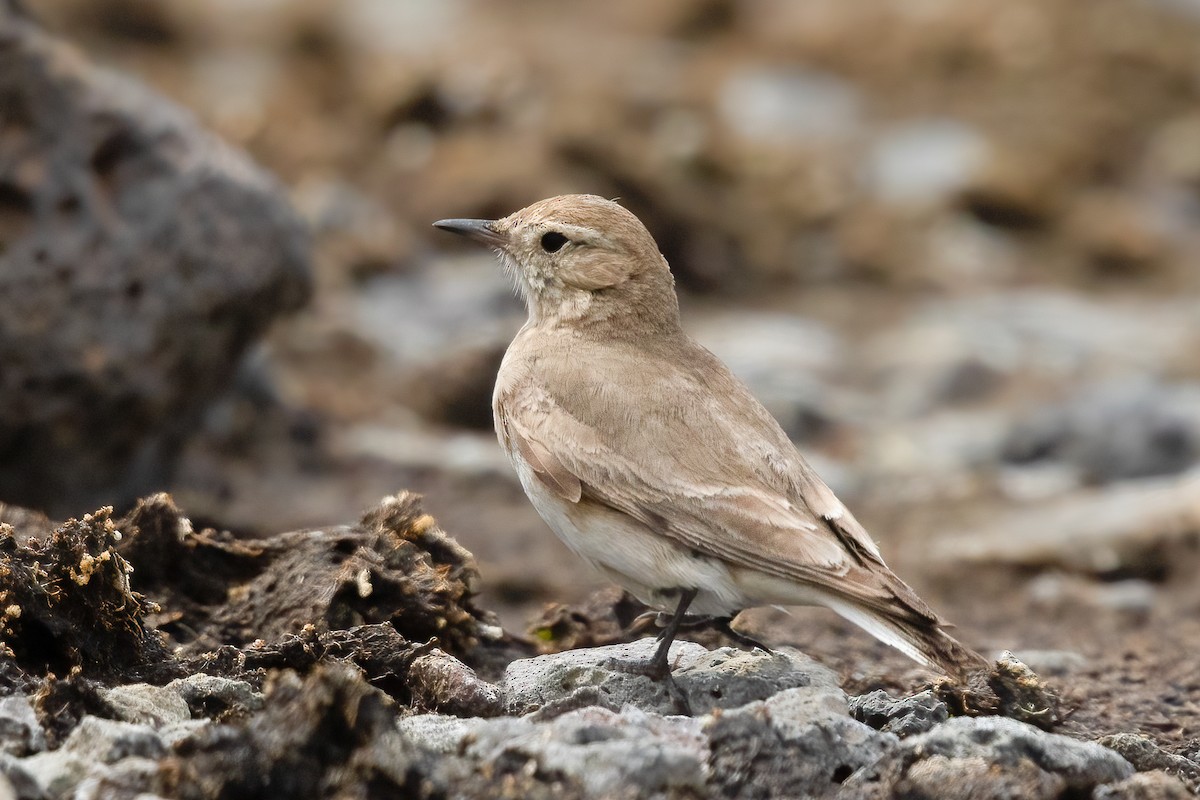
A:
580, 258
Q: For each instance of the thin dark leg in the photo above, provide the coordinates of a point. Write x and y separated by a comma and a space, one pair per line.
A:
658, 664
724, 625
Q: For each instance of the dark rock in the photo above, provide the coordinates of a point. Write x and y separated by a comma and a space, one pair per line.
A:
328, 730
904, 717
67, 604
396, 566
216, 697
139, 257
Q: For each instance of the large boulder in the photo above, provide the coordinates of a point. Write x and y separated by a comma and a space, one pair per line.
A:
139, 258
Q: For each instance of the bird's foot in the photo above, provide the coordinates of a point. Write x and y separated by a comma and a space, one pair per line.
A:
724, 626
657, 670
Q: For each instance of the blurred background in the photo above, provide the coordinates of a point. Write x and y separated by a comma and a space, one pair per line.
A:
952, 245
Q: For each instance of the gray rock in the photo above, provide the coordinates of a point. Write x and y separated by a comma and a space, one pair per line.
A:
216, 697
606, 752
106, 741
989, 756
94, 744
924, 160
796, 744
1144, 786
17, 781
724, 678
144, 704
1144, 754
20, 732
905, 716
438, 732
1115, 431
139, 258
133, 777
781, 106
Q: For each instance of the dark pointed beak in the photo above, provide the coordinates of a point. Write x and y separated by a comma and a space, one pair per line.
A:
480, 230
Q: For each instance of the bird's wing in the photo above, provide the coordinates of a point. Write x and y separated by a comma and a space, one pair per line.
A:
688, 452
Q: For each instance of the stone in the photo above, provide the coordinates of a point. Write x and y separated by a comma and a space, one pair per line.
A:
217, 697
904, 716
140, 257
20, 732
1124, 527
144, 704
605, 751
724, 678
989, 757
1144, 786
788, 746
1114, 431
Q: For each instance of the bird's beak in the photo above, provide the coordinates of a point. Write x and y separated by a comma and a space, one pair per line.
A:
481, 230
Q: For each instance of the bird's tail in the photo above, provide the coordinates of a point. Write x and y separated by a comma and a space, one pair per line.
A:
920, 637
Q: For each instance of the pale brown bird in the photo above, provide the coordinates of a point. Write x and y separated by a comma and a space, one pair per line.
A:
651, 461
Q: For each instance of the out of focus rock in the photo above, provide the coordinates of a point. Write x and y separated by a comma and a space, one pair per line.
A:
1115, 431
924, 161
20, 732
139, 257
1122, 528
1144, 754
1144, 786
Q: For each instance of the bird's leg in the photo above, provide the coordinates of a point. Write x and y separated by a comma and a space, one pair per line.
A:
724, 625
658, 662
658, 668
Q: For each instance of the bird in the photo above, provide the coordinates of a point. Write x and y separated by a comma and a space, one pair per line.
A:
652, 462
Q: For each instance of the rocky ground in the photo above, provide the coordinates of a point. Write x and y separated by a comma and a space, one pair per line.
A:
951, 245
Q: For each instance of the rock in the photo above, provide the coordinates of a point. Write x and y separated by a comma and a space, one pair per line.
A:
724, 678
67, 603
604, 751
20, 732
904, 716
923, 161
140, 257
788, 746
396, 568
16, 783
1144, 754
991, 757
215, 697
1144, 786
1124, 527
95, 742
783, 106
144, 704
1114, 431
133, 777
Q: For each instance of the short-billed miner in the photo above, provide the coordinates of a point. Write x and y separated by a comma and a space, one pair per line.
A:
651, 461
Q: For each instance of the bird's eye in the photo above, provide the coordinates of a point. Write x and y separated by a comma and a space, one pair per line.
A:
553, 241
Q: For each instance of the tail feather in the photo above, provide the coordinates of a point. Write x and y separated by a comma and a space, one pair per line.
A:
921, 639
